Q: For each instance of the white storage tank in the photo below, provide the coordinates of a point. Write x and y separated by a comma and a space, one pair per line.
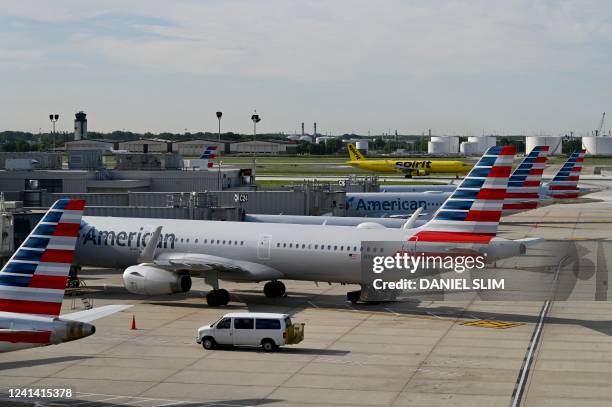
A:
443, 145
470, 148
306, 138
601, 145
554, 143
362, 146
437, 147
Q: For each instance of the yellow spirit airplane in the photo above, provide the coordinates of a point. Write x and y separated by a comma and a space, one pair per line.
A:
407, 167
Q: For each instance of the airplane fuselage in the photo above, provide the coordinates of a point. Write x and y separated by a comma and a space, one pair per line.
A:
297, 252
22, 331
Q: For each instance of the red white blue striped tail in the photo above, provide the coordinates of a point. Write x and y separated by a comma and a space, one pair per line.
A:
565, 182
34, 279
209, 153
524, 184
471, 214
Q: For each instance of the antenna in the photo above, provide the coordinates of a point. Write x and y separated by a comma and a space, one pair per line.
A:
601, 124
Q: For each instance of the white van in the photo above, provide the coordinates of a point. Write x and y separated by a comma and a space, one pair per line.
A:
251, 328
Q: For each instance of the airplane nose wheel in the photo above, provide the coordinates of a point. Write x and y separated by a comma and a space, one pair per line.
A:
274, 289
219, 297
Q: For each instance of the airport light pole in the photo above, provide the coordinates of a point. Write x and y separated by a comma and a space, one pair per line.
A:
54, 118
256, 119
219, 114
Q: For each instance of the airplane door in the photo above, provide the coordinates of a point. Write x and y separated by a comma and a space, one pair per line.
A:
263, 247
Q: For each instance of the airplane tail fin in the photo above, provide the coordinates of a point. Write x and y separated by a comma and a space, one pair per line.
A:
565, 182
471, 214
209, 154
524, 184
33, 281
354, 154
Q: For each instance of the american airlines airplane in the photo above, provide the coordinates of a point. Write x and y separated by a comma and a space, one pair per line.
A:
161, 255
522, 194
559, 180
33, 281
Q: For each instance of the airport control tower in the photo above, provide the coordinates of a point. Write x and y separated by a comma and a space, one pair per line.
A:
80, 126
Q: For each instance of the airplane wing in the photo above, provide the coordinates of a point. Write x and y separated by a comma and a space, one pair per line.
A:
94, 313
208, 263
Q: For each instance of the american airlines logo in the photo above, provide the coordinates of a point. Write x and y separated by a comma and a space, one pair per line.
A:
384, 205
126, 239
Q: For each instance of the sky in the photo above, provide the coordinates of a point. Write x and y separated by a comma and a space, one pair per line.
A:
457, 67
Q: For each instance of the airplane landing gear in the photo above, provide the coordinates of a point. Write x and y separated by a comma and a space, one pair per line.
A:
218, 297
274, 289
353, 296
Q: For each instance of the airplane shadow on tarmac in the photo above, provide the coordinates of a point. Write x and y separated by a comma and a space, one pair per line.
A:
577, 269
38, 362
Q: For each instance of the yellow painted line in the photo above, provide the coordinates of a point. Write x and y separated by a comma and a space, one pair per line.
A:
485, 323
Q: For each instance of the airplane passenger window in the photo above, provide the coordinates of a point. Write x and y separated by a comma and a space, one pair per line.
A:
290, 245
368, 249
303, 246
354, 248
341, 248
278, 245
328, 247
242, 243
218, 241
196, 241
187, 240
224, 242
181, 240
309, 245
284, 244
235, 242
316, 246
335, 247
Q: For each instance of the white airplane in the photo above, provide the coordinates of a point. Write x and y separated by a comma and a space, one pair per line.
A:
162, 263
522, 194
561, 186
33, 281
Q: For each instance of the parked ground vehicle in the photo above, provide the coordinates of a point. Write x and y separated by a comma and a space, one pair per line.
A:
251, 329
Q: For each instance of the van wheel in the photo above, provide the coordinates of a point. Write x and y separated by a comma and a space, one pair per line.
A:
268, 345
208, 343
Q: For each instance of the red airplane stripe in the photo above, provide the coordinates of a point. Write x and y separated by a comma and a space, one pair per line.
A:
26, 337
451, 237
491, 194
57, 256
483, 216
30, 307
499, 172
75, 205
67, 229
42, 281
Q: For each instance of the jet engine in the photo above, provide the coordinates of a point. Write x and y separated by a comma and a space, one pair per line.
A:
149, 280
500, 248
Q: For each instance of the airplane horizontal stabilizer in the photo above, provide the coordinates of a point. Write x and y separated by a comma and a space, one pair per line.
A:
95, 313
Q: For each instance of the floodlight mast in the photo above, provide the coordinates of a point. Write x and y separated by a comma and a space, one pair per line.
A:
54, 118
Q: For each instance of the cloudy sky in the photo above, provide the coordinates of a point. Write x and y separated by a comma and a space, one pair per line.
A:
460, 67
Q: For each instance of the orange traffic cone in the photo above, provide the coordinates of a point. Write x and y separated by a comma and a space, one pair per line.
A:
133, 322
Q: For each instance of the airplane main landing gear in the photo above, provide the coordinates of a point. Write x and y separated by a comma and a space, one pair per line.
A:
274, 289
219, 297
353, 296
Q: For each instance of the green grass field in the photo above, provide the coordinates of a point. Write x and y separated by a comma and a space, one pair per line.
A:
280, 183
